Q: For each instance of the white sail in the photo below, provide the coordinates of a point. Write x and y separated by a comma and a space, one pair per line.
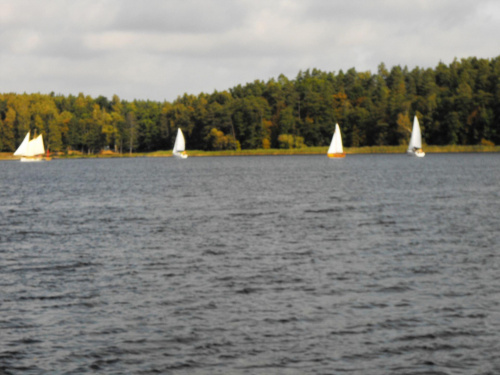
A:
416, 136
179, 145
415, 145
35, 147
336, 149
21, 150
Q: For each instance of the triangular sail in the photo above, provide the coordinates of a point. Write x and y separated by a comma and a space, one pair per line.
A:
35, 147
416, 136
180, 143
336, 145
21, 150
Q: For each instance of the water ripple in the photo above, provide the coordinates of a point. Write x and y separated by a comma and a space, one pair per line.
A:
282, 265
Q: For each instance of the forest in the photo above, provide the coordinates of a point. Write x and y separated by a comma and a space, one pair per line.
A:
456, 104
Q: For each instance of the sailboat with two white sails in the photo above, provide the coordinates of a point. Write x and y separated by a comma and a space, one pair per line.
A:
31, 150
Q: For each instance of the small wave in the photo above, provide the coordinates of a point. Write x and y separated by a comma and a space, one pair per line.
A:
424, 270
399, 323
377, 222
108, 331
102, 363
28, 341
353, 330
175, 366
10, 354
20, 370
369, 306
57, 267
394, 289
252, 214
324, 210
247, 290
439, 335
214, 252
443, 196
281, 321
43, 298
135, 219
213, 345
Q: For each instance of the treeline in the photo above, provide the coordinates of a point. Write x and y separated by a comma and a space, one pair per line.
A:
457, 103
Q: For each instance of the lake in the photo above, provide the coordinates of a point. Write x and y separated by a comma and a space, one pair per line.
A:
375, 264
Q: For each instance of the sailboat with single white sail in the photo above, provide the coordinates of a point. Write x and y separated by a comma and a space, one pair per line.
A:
336, 150
415, 145
31, 150
179, 150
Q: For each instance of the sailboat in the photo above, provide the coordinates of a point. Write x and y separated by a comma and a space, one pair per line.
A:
415, 145
336, 150
179, 146
31, 150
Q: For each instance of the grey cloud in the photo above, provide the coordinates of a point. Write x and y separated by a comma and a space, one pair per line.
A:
179, 16
158, 49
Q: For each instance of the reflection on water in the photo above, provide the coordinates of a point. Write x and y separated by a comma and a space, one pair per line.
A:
380, 264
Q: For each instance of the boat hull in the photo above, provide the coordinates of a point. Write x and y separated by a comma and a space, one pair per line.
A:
417, 154
336, 155
28, 159
178, 155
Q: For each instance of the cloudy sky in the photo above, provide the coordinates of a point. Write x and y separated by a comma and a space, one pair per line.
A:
160, 49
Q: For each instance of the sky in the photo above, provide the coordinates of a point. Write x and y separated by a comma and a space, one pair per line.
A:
161, 49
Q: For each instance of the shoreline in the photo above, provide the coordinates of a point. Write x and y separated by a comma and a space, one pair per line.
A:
277, 152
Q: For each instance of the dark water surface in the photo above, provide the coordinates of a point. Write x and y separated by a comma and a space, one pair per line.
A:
380, 264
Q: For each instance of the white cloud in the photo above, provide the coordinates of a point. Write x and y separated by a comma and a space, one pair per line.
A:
157, 49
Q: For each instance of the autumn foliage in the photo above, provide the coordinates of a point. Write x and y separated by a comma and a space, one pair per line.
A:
457, 104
